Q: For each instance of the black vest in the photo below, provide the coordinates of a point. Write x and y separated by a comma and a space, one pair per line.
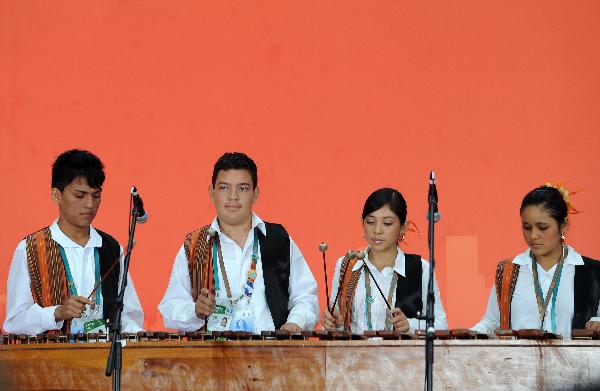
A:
275, 259
409, 290
586, 292
109, 252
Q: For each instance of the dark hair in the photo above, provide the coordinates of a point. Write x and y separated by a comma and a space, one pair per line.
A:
236, 161
549, 199
386, 196
77, 163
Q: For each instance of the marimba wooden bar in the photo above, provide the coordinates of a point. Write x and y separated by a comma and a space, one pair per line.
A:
334, 362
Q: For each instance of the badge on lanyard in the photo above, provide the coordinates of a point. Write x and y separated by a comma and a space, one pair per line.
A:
243, 319
92, 319
220, 319
233, 314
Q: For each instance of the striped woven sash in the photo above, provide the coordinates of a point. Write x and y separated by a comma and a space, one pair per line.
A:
197, 247
347, 287
46, 271
507, 273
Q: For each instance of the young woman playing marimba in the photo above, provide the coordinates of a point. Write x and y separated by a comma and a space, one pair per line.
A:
381, 288
550, 286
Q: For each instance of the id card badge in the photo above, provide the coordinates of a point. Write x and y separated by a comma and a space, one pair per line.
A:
243, 319
91, 321
221, 318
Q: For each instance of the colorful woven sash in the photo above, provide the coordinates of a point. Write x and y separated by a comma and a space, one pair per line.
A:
347, 286
46, 270
507, 273
197, 247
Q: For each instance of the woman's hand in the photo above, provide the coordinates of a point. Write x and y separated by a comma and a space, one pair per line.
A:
331, 321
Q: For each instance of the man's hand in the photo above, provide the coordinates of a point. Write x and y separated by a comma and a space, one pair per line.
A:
331, 322
291, 327
399, 320
73, 307
592, 325
205, 304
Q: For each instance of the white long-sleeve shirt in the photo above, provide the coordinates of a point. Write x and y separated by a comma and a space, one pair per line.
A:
358, 321
178, 308
524, 308
23, 316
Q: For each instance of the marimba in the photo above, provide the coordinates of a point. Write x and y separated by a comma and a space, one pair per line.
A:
513, 360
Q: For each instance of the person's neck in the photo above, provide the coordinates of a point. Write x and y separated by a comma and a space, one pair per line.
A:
236, 232
383, 259
548, 261
77, 234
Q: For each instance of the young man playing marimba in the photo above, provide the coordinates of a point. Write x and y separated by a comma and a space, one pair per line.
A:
239, 273
54, 270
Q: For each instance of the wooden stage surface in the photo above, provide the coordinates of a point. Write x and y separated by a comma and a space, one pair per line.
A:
307, 365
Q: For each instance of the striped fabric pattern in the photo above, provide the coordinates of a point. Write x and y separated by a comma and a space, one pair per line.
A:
197, 247
507, 273
46, 269
348, 282
47, 272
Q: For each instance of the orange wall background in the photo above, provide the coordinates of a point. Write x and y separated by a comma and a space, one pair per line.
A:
332, 99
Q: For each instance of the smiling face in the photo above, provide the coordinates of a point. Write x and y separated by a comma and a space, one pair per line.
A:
233, 196
78, 204
382, 229
541, 231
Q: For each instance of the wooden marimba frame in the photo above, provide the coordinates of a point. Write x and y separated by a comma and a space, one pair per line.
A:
522, 359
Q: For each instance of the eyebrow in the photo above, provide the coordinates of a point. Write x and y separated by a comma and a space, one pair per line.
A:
86, 192
384, 217
229, 184
535, 223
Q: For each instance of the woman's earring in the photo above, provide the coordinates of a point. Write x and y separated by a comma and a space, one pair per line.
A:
562, 237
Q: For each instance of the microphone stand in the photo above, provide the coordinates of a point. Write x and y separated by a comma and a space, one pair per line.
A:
430, 314
115, 358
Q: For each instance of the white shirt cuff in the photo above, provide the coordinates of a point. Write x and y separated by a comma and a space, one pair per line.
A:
49, 322
297, 319
129, 326
416, 324
195, 322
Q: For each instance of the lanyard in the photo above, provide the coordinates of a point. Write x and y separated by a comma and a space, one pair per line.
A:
71, 283
249, 285
552, 292
369, 299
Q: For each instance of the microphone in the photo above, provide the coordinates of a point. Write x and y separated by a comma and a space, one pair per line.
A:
433, 196
137, 202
